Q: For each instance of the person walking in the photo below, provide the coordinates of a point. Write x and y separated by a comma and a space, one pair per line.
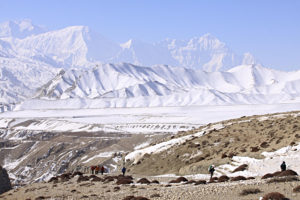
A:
102, 170
211, 170
283, 166
92, 169
123, 171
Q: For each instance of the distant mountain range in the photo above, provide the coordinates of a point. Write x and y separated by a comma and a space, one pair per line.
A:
70, 63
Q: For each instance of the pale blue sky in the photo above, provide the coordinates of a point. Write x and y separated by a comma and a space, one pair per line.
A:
269, 29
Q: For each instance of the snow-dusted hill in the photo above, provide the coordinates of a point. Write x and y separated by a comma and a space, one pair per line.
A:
127, 85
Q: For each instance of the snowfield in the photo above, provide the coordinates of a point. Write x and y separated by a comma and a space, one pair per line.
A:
137, 120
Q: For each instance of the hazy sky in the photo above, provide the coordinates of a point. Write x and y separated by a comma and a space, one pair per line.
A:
269, 29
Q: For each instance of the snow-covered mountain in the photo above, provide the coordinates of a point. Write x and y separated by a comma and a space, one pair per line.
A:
127, 85
78, 46
206, 53
31, 58
19, 29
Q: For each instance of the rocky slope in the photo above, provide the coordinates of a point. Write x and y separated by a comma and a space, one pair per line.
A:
193, 151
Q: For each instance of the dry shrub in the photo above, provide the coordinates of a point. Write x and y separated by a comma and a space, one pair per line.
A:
250, 178
250, 191
297, 189
254, 149
268, 175
241, 168
53, 179
77, 173
238, 178
288, 172
143, 181
140, 198
223, 178
155, 181
190, 182
82, 178
179, 180
224, 155
231, 154
283, 179
154, 195
276, 173
274, 196
95, 179
124, 181
264, 145
200, 182
135, 198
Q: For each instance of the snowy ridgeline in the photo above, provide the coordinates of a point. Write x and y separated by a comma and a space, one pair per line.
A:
31, 56
127, 85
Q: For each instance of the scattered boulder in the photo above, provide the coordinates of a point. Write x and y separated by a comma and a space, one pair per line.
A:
240, 168
143, 181
274, 196
4, 181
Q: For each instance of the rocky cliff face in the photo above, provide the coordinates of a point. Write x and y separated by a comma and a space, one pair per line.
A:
4, 181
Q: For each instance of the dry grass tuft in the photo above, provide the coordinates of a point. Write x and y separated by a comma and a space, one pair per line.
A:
250, 191
274, 196
238, 178
223, 178
283, 179
297, 189
241, 168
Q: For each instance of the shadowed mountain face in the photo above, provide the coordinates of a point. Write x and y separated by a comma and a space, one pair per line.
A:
4, 181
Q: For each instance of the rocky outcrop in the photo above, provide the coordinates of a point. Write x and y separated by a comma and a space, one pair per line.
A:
4, 181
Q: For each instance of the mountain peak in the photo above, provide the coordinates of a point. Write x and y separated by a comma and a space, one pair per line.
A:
127, 45
19, 29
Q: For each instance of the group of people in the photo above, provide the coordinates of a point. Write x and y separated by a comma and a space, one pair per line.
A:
97, 169
211, 169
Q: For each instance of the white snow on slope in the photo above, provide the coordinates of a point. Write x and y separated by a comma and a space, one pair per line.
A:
127, 85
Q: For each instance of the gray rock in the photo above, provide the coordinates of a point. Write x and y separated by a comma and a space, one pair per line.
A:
4, 181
